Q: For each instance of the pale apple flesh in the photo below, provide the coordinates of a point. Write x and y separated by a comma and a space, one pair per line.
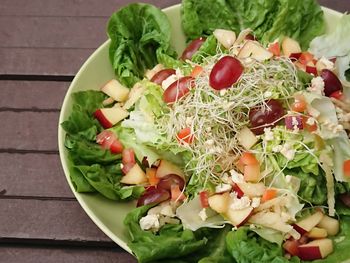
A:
115, 90
238, 217
317, 232
135, 176
219, 202
253, 49
306, 224
330, 224
108, 117
165, 168
316, 249
252, 189
246, 138
290, 46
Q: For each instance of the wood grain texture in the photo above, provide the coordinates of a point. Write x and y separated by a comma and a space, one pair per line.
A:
23, 254
29, 130
32, 94
47, 220
69, 7
33, 175
339, 5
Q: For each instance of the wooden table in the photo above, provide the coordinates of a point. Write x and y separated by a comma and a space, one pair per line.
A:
43, 43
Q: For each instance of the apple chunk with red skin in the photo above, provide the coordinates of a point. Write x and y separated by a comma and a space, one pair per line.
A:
219, 202
316, 249
115, 90
165, 168
110, 116
306, 224
238, 217
134, 176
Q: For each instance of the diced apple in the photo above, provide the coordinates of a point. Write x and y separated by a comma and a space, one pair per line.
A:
317, 232
330, 224
225, 37
290, 46
238, 191
247, 138
134, 95
306, 224
108, 101
166, 167
219, 202
271, 220
115, 90
242, 36
110, 116
252, 190
254, 50
134, 176
316, 249
291, 246
239, 217
151, 72
252, 173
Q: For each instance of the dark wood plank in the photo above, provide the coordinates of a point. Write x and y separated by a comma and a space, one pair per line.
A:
12, 254
52, 32
69, 7
43, 61
47, 220
339, 5
33, 175
29, 130
32, 94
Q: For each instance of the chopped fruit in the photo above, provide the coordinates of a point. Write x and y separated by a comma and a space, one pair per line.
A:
116, 147
252, 173
162, 75
151, 175
106, 138
108, 117
153, 195
291, 246
178, 89
128, 160
151, 72
346, 168
316, 249
170, 180
275, 49
239, 217
311, 70
306, 224
115, 90
238, 191
293, 122
225, 37
196, 71
192, 48
337, 95
246, 138
219, 202
248, 158
305, 58
134, 95
299, 104
165, 168
252, 190
307, 126
290, 46
295, 56
317, 232
185, 136
330, 224
269, 194
134, 176
253, 49
331, 82
271, 220
108, 101
203, 196
177, 194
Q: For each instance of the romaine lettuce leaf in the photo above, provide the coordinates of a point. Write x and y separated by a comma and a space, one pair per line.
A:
137, 32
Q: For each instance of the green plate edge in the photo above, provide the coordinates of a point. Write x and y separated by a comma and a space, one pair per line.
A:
106, 214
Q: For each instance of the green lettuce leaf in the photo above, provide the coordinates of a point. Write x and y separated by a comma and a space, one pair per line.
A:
137, 32
208, 48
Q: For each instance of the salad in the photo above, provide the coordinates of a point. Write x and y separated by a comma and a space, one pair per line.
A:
236, 151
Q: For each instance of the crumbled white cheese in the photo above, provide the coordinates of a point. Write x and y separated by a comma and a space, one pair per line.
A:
288, 151
310, 121
335, 128
236, 177
267, 94
313, 112
155, 210
255, 202
317, 86
223, 188
203, 214
169, 80
240, 203
295, 121
268, 134
149, 222
327, 63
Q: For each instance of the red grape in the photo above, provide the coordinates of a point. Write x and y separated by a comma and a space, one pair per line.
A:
162, 75
331, 82
225, 73
192, 48
345, 198
263, 117
153, 195
178, 89
171, 179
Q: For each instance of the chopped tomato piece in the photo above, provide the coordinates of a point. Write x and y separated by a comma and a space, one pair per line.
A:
109, 141
176, 193
128, 160
151, 175
248, 158
299, 106
116, 147
346, 168
291, 246
269, 194
203, 196
305, 58
275, 49
311, 70
185, 135
238, 191
308, 127
337, 95
252, 173
197, 70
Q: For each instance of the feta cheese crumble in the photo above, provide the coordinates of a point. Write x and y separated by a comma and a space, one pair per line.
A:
317, 86
149, 222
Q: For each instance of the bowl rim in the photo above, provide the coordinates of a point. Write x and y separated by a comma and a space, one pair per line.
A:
61, 133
